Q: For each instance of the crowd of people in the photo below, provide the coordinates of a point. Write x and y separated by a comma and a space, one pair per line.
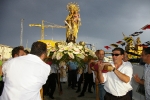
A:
32, 75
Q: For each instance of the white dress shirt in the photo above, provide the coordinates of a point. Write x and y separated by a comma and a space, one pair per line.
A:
113, 85
54, 68
24, 77
86, 68
147, 81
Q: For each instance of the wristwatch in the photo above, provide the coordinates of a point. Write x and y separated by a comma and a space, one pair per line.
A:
114, 69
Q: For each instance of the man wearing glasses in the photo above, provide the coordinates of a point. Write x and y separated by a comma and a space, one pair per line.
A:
117, 80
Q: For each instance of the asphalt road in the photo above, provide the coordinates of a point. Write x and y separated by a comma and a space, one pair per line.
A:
70, 94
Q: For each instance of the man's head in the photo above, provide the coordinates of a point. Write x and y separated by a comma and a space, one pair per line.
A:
146, 55
96, 52
125, 57
101, 54
17, 51
117, 54
26, 52
40, 49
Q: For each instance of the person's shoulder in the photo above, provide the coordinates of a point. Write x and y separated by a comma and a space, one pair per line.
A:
47, 66
9, 60
128, 64
44, 66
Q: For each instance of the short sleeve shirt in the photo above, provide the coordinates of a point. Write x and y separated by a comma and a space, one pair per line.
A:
114, 85
73, 65
147, 81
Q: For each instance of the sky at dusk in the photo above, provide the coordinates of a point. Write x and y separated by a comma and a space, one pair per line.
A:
103, 21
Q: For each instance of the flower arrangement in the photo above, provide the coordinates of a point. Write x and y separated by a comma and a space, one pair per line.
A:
64, 51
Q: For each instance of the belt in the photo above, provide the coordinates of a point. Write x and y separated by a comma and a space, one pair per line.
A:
114, 96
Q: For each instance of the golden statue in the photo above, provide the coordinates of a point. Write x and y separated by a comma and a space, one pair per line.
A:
138, 41
130, 48
72, 22
138, 46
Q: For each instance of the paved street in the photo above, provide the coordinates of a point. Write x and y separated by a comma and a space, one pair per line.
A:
70, 94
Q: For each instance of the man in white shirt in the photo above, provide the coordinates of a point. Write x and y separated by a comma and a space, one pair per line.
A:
117, 81
125, 59
16, 52
25, 75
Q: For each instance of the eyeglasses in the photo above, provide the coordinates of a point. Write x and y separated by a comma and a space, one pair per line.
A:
115, 54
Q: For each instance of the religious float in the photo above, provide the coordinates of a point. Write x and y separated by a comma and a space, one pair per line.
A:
63, 50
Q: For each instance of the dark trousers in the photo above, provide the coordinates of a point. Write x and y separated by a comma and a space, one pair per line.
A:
109, 96
102, 91
52, 83
72, 78
46, 87
50, 86
130, 93
80, 81
1, 87
88, 82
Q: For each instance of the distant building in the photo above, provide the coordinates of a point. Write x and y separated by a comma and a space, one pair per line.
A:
5, 51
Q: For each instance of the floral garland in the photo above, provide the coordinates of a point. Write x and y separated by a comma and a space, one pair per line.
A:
77, 52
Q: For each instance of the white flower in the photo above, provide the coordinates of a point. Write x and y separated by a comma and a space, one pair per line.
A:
92, 53
70, 49
48, 52
82, 52
86, 50
71, 55
70, 44
53, 49
54, 55
59, 55
65, 47
81, 56
76, 51
61, 50
60, 46
80, 47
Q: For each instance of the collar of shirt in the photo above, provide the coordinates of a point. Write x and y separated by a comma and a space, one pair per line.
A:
31, 57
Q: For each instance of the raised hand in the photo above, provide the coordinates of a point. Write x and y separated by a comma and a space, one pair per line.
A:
137, 78
100, 66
